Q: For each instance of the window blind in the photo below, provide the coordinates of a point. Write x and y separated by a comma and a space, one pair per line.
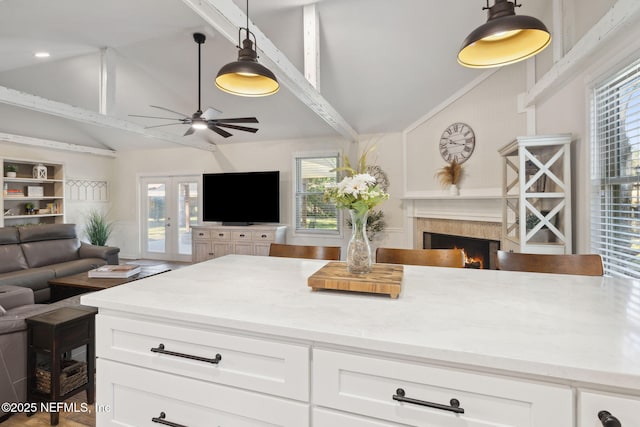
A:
615, 172
313, 214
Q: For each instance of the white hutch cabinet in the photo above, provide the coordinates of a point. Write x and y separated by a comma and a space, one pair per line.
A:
536, 194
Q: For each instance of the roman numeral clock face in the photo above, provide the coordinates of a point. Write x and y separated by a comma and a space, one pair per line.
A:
457, 143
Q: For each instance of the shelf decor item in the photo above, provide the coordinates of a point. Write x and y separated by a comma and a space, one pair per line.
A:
359, 192
12, 171
40, 171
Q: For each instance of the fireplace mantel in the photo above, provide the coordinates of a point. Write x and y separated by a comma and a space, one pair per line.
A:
481, 204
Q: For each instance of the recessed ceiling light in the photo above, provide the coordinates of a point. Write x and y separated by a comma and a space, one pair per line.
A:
42, 54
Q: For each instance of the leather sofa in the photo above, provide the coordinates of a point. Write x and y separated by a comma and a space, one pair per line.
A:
30, 256
16, 304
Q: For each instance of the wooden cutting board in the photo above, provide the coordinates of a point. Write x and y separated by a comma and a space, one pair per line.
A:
383, 279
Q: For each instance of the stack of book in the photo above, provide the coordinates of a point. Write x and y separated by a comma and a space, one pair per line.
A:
15, 192
115, 271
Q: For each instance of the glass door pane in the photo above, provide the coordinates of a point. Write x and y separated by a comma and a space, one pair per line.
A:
156, 238
187, 214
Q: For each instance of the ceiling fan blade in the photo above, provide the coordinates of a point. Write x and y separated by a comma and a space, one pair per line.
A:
189, 131
154, 117
237, 120
171, 111
244, 128
210, 113
158, 126
219, 131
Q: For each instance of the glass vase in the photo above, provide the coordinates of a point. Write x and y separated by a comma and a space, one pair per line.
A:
359, 250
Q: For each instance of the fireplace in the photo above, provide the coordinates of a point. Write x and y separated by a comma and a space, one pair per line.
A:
480, 253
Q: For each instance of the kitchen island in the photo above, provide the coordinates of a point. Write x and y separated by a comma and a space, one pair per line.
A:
242, 341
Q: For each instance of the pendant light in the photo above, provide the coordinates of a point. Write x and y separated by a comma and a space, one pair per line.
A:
504, 39
246, 76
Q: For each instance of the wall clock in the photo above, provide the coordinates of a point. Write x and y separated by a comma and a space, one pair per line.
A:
457, 143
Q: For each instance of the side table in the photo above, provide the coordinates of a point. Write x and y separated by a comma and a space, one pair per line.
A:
52, 334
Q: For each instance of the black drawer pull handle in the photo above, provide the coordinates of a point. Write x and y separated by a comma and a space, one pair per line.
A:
264, 236
160, 349
220, 234
200, 234
454, 403
608, 420
242, 235
161, 420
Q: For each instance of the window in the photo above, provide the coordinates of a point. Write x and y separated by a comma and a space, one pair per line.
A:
313, 173
615, 172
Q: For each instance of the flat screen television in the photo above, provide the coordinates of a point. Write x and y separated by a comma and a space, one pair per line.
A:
241, 198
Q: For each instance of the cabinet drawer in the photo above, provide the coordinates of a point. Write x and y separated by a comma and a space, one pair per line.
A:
264, 236
241, 236
326, 418
136, 395
368, 385
266, 366
201, 234
625, 408
220, 235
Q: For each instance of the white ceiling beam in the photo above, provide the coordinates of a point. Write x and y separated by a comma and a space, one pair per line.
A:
225, 17
107, 94
311, 26
36, 103
623, 13
54, 145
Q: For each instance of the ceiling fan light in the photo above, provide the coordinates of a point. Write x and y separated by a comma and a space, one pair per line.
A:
199, 124
504, 39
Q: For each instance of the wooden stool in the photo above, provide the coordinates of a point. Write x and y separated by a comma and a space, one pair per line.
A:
52, 334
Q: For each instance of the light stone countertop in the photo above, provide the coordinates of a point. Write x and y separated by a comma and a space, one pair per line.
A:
560, 327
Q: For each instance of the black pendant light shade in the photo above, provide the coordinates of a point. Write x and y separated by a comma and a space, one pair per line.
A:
504, 39
246, 76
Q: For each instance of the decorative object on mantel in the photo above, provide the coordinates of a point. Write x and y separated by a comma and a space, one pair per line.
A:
12, 171
450, 176
358, 192
39, 171
457, 143
504, 39
383, 279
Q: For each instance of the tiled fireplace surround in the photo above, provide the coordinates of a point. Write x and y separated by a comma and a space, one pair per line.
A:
475, 215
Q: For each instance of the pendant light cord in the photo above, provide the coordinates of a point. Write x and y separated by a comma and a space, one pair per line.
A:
199, 78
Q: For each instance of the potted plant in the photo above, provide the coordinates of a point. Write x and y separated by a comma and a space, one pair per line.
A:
97, 228
28, 207
12, 171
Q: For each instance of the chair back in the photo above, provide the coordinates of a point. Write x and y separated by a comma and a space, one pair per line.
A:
430, 257
586, 265
310, 252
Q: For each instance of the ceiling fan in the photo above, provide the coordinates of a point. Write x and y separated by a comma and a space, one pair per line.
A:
200, 120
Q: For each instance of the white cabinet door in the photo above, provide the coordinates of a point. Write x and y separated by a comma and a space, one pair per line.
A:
133, 396
326, 418
626, 409
419, 395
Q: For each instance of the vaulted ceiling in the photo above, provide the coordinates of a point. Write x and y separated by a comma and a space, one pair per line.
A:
383, 64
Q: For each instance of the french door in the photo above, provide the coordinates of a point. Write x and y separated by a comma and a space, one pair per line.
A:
169, 207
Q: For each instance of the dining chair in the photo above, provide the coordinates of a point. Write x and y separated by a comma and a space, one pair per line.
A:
429, 257
300, 251
586, 265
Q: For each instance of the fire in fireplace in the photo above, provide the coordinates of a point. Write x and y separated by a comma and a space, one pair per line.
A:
479, 253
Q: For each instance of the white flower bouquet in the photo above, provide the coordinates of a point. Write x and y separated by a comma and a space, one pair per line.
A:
359, 192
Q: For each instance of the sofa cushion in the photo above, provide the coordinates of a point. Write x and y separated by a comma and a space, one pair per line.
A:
35, 279
9, 236
36, 233
49, 252
12, 258
77, 266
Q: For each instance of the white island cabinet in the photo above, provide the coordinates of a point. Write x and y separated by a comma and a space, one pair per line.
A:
243, 341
